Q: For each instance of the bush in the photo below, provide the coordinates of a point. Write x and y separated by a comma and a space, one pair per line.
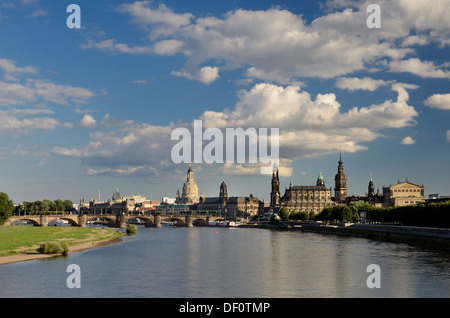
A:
131, 229
53, 248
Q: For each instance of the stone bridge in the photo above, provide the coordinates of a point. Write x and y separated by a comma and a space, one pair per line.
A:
114, 220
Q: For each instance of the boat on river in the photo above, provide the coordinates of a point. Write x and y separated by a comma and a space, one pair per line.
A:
224, 223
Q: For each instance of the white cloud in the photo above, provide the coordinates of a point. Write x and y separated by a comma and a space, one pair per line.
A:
140, 82
354, 83
408, 141
111, 45
88, 121
309, 126
448, 136
274, 45
441, 101
109, 122
34, 90
425, 69
205, 75
15, 125
9, 66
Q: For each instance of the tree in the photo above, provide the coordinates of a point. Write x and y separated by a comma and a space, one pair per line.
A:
6, 207
284, 213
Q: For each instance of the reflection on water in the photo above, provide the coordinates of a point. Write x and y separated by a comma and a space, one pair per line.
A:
221, 262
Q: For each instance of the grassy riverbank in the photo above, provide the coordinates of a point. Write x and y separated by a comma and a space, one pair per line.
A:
26, 239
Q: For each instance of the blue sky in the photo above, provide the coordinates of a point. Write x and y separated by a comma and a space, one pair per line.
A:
93, 108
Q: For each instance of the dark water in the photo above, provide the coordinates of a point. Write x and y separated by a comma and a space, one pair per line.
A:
221, 262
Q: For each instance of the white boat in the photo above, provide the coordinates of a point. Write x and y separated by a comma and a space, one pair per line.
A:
225, 223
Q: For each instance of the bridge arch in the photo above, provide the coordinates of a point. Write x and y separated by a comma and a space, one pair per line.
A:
109, 219
179, 221
71, 221
27, 219
148, 220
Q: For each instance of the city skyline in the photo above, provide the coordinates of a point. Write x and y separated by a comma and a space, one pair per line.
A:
94, 108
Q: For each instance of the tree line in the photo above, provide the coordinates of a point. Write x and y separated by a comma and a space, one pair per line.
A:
44, 207
428, 214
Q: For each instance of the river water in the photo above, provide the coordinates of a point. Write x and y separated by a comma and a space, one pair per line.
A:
203, 262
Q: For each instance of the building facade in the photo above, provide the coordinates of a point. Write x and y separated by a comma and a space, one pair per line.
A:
307, 198
403, 193
231, 207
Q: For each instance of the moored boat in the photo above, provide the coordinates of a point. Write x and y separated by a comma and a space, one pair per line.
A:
224, 223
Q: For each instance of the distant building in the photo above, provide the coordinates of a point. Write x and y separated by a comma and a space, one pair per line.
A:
307, 198
403, 193
116, 205
190, 190
436, 197
167, 200
231, 206
165, 209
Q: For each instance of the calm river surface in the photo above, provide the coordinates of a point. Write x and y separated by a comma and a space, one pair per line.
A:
221, 262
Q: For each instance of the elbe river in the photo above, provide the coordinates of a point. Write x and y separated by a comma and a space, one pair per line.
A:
203, 262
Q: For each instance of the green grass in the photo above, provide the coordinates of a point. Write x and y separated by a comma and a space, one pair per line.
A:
16, 239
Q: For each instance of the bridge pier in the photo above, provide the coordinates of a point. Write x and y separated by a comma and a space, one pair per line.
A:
188, 221
82, 220
121, 221
43, 220
157, 220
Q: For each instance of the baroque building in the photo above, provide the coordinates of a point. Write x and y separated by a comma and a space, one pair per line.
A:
403, 193
190, 190
230, 207
307, 198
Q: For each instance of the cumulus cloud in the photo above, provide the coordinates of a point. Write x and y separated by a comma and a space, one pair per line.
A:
280, 46
425, 69
25, 121
88, 121
309, 126
205, 75
34, 90
408, 141
441, 101
354, 83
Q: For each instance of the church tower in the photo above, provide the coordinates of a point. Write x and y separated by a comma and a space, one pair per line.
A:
275, 193
371, 192
340, 180
320, 180
223, 198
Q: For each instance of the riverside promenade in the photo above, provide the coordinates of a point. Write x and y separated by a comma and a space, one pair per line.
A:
423, 235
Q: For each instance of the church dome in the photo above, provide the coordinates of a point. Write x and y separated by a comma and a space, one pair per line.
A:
117, 196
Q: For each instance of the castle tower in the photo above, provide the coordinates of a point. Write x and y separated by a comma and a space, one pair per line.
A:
340, 182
